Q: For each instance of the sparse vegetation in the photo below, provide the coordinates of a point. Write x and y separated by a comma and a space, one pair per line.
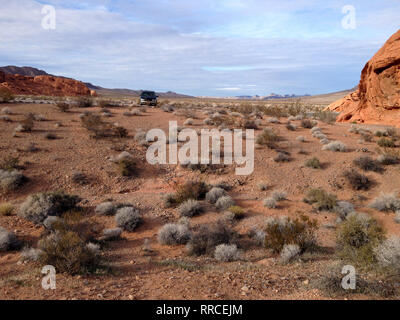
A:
268, 138
226, 252
174, 234
313, 163
321, 200
357, 180
128, 218
5, 95
335, 146
11, 180
386, 143
6, 209
190, 208
289, 253
224, 203
386, 202
8, 241
366, 163
84, 102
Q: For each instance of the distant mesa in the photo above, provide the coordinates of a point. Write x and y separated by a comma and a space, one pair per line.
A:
377, 99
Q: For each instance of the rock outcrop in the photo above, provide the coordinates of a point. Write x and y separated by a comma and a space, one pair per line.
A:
45, 85
377, 99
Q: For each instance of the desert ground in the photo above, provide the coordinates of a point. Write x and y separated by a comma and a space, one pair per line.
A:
138, 266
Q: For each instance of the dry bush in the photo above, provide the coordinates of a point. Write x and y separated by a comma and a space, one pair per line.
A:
5, 95
11, 180
190, 208
6, 209
289, 253
335, 146
100, 129
270, 203
386, 143
224, 203
27, 124
226, 252
8, 241
128, 218
386, 202
388, 255
388, 156
10, 163
268, 138
174, 234
195, 190
208, 237
237, 212
307, 124
326, 116
321, 199
282, 157
313, 163
357, 180
84, 102
63, 106
357, 237
38, 207
283, 231
366, 163
127, 167
214, 194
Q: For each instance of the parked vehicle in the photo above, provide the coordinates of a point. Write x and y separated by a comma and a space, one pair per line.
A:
148, 98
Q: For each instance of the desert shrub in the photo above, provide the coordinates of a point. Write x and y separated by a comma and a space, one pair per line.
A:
386, 202
174, 234
282, 157
326, 116
111, 234
106, 208
268, 138
263, 186
8, 241
30, 254
195, 190
27, 124
10, 163
225, 202
279, 195
249, 124
273, 120
128, 218
63, 106
127, 167
321, 199
313, 163
283, 231
6, 209
307, 124
214, 194
386, 143
5, 95
257, 235
50, 136
207, 238
291, 127
38, 207
6, 111
84, 102
68, 253
237, 211
388, 159
226, 252
357, 237
188, 122
11, 180
388, 254
289, 253
190, 208
79, 178
52, 222
344, 208
100, 129
335, 146
357, 180
270, 203
366, 163
301, 139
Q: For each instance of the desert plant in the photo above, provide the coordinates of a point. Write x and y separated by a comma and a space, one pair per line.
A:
8, 240
226, 252
50, 136
68, 253
279, 195
79, 178
10, 163
225, 202
190, 208
6, 209
335, 146
283, 231
5, 95
106, 208
268, 138
30, 254
326, 116
386, 202
321, 199
63, 106
282, 157
313, 163
388, 254
357, 180
270, 203
27, 124
38, 207
357, 237
128, 218
111, 234
386, 143
366, 163
127, 167
84, 102
263, 186
289, 253
192, 189
307, 124
257, 235
301, 139
214, 194
207, 238
174, 234
237, 211
11, 180
343, 208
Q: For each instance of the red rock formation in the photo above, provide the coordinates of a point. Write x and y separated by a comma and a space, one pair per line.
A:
43, 85
378, 98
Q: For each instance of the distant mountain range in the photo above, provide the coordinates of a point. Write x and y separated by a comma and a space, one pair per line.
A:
271, 96
33, 72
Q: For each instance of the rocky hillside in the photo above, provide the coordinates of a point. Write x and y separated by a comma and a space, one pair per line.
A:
378, 98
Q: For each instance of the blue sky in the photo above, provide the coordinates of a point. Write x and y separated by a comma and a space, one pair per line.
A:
202, 48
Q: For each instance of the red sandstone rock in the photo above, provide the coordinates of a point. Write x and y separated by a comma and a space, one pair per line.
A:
378, 98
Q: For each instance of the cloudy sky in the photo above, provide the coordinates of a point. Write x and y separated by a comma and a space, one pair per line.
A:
202, 48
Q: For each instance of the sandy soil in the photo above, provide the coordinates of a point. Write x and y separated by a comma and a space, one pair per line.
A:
168, 273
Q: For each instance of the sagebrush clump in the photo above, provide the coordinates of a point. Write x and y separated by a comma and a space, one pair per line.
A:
335, 146
190, 208
8, 240
214, 194
357, 180
11, 180
38, 207
321, 199
226, 252
386, 202
128, 218
174, 234
224, 203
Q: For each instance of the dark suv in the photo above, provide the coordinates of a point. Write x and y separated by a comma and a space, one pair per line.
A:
148, 98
